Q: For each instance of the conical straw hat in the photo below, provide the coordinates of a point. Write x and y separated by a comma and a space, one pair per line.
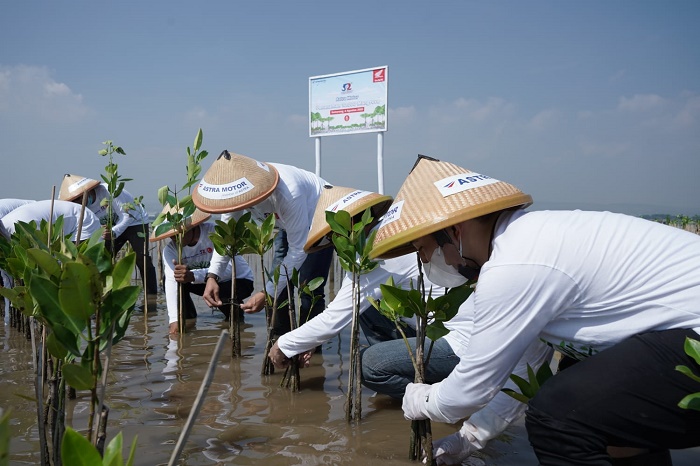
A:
234, 182
73, 186
436, 195
335, 198
193, 220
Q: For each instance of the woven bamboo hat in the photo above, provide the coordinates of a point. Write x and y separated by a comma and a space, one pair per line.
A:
73, 186
193, 220
436, 195
335, 198
234, 182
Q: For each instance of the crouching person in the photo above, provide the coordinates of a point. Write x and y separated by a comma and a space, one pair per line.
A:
193, 270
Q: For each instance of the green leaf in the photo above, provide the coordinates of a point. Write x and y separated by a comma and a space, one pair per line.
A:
315, 283
55, 347
45, 292
76, 450
45, 261
163, 195
123, 270
113, 452
686, 370
198, 140
692, 349
436, 330
691, 401
67, 338
119, 300
78, 377
162, 228
75, 298
132, 453
516, 395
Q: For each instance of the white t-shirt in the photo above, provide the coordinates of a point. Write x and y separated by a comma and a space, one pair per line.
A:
197, 258
293, 203
122, 216
41, 210
582, 281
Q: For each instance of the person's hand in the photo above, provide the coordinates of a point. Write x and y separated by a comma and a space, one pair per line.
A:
173, 328
455, 448
415, 401
305, 358
255, 303
107, 234
211, 293
278, 358
182, 273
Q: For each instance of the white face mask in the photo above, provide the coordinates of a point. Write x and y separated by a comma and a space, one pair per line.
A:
442, 274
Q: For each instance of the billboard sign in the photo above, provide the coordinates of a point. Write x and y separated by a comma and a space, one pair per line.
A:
348, 103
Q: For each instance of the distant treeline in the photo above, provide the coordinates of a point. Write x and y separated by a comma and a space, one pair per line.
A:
679, 221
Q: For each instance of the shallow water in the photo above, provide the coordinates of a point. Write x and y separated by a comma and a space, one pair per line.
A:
246, 418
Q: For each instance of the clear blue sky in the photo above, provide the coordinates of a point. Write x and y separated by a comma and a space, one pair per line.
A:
591, 104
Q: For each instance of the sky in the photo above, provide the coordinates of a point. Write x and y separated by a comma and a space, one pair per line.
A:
584, 105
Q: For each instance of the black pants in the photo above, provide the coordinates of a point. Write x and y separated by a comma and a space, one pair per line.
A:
244, 288
316, 264
133, 235
625, 396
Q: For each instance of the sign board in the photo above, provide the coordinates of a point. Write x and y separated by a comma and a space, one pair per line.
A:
348, 103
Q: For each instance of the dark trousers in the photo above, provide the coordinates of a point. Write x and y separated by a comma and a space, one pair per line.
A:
244, 288
316, 264
625, 396
133, 235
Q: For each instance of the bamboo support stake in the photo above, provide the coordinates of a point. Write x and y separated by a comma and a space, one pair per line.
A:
206, 382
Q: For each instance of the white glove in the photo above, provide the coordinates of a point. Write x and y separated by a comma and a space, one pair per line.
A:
455, 448
415, 401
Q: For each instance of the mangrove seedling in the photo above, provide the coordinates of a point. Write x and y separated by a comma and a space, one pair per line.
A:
180, 208
430, 314
353, 245
229, 239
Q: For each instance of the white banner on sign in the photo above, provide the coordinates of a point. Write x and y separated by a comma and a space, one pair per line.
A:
348, 103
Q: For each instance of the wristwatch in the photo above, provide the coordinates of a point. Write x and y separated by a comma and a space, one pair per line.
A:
212, 275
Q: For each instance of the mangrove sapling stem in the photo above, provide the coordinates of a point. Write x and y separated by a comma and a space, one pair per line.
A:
103, 386
39, 392
353, 405
204, 387
267, 367
291, 375
234, 317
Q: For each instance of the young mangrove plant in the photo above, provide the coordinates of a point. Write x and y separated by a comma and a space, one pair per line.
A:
353, 245
231, 239
180, 208
291, 378
430, 314
84, 300
115, 186
260, 239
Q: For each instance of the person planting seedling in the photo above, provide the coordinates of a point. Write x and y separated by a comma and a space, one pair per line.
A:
617, 292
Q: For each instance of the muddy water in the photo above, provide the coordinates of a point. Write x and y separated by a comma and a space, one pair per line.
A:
246, 418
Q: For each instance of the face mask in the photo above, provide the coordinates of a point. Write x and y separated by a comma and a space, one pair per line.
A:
442, 274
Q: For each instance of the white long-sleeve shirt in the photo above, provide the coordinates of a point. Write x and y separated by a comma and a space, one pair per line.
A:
122, 217
582, 281
197, 258
338, 313
41, 210
8, 205
293, 203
